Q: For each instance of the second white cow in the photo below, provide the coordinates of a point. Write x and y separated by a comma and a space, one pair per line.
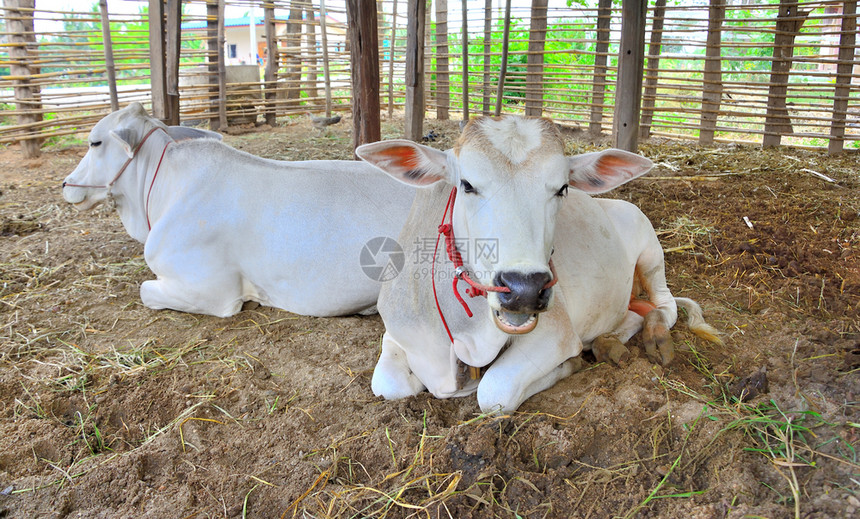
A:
559, 268
221, 226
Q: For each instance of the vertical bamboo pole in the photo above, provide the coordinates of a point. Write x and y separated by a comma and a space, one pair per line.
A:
465, 57
416, 11
364, 57
537, 43
172, 39
326, 73
712, 80
271, 72
500, 88
110, 68
652, 67
598, 88
631, 64
429, 86
844, 68
392, 42
19, 23
488, 40
777, 119
443, 81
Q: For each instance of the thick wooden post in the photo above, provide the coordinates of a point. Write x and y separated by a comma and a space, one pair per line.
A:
465, 57
293, 55
222, 69
500, 88
601, 54
712, 81
311, 46
326, 72
443, 81
110, 68
157, 63
777, 121
537, 43
631, 64
172, 35
364, 56
488, 40
847, 40
416, 11
271, 72
214, 51
19, 22
652, 68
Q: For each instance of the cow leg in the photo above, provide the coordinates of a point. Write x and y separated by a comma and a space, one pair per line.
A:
611, 347
164, 293
392, 377
651, 277
532, 363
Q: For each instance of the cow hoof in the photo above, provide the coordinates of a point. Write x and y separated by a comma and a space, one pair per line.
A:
607, 348
658, 343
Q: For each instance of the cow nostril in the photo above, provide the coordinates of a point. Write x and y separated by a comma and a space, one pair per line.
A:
64, 184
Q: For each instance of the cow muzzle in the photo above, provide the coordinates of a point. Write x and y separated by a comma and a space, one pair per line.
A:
529, 295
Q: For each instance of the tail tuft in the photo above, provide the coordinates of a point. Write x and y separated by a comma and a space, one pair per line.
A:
696, 321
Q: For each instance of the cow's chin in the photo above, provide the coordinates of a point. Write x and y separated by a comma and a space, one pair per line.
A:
514, 323
80, 201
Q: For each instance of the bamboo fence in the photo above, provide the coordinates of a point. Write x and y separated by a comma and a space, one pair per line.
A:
744, 70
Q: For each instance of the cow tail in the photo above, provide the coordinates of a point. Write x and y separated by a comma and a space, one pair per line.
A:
696, 321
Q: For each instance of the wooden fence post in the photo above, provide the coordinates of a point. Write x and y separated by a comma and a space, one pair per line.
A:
214, 52
326, 72
537, 44
364, 56
631, 64
110, 68
311, 35
652, 67
271, 72
392, 42
777, 119
416, 11
443, 81
488, 40
465, 57
500, 87
601, 54
19, 22
172, 40
847, 40
712, 79
293, 56
157, 64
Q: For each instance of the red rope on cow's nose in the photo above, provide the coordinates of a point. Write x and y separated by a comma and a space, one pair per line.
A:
475, 289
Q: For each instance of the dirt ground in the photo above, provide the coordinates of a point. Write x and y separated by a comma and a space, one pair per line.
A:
112, 410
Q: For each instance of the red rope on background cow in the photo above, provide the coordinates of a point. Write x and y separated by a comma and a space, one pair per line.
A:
152, 183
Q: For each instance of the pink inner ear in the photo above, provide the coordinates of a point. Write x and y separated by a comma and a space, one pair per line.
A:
610, 165
401, 157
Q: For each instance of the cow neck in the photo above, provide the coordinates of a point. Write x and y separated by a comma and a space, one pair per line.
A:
152, 183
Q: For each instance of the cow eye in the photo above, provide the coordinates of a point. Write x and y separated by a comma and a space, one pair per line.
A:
467, 187
95, 144
563, 191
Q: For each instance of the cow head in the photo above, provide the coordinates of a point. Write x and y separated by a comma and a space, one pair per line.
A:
112, 142
512, 177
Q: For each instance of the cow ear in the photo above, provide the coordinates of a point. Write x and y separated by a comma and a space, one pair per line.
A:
137, 108
602, 171
406, 161
126, 138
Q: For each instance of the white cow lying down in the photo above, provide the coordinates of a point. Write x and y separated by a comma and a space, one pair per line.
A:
221, 226
517, 190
